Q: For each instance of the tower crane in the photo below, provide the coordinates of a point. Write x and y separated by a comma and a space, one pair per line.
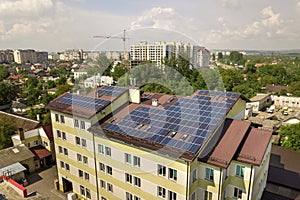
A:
124, 38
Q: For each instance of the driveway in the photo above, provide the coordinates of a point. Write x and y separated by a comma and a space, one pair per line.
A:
41, 185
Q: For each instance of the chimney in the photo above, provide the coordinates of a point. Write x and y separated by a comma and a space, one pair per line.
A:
154, 102
21, 134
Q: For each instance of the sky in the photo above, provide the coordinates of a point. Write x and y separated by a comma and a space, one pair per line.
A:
58, 25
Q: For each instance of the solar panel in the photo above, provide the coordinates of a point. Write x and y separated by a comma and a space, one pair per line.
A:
194, 118
89, 103
113, 91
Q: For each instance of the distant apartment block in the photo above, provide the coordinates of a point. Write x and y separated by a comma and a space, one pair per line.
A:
29, 55
286, 101
6, 56
119, 144
156, 52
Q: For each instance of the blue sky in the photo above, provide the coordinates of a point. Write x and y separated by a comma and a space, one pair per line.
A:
56, 25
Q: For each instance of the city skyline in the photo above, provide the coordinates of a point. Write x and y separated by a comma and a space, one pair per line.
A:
56, 25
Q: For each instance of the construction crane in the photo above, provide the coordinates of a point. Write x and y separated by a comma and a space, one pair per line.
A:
124, 38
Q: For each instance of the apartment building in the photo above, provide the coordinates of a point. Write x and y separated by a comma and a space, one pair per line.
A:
158, 51
29, 55
118, 144
6, 56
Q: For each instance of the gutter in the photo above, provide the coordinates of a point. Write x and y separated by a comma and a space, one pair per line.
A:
250, 182
187, 181
219, 193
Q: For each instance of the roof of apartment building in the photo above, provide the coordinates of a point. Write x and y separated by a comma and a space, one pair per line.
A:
21, 122
86, 106
260, 97
14, 154
173, 125
240, 142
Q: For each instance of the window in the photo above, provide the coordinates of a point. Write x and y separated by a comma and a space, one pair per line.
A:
45, 143
82, 190
161, 170
67, 167
65, 151
128, 196
79, 157
209, 174
88, 193
62, 119
240, 171
62, 164
128, 178
101, 148
207, 195
58, 133
64, 135
109, 187
102, 184
161, 192
76, 123
194, 175
193, 196
136, 161
85, 160
237, 193
172, 195
82, 125
60, 149
109, 170
102, 167
172, 174
86, 176
80, 173
103, 198
127, 158
108, 151
77, 139
56, 118
83, 142
137, 198
137, 182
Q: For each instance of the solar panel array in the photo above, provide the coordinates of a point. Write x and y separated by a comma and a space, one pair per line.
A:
113, 91
89, 103
184, 125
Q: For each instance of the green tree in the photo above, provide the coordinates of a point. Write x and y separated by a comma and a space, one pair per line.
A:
119, 70
290, 136
8, 127
3, 72
7, 93
50, 84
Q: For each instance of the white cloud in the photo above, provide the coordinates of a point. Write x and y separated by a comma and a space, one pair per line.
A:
270, 18
25, 8
268, 26
165, 18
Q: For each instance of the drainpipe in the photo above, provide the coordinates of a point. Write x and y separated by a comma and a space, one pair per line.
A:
187, 180
219, 195
95, 162
250, 183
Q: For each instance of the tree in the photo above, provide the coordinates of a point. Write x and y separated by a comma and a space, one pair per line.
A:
7, 93
50, 84
3, 72
119, 70
290, 136
8, 127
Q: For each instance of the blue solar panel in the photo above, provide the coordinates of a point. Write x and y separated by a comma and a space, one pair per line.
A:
83, 101
113, 91
194, 117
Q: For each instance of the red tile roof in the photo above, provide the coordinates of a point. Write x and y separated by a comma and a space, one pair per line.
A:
228, 145
40, 152
255, 146
48, 131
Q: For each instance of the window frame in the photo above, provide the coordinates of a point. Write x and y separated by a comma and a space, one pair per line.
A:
161, 192
172, 175
240, 171
161, 170
237, 193
137, 181
209, 174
